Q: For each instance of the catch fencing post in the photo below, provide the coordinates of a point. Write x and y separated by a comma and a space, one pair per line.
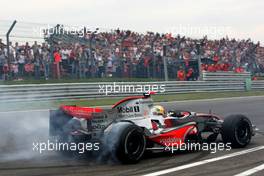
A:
7, 42
165, 64
200, 68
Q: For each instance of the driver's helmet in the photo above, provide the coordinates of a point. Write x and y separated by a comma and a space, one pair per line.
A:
158, 110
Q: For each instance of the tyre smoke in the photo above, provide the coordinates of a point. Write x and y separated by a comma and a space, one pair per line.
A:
18, 130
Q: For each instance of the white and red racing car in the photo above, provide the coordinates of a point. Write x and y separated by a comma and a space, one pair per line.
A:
135, 124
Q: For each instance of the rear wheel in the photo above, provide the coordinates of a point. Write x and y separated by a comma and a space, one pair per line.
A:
130, 143
237, 130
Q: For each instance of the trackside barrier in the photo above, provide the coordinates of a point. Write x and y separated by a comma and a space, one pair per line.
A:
257, 85
225, 76
41, 92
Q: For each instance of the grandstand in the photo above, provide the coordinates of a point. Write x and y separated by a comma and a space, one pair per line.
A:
43, 51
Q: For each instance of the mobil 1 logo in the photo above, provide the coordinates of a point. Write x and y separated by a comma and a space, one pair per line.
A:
128, 109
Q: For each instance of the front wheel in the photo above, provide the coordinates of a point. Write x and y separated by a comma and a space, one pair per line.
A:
237, 130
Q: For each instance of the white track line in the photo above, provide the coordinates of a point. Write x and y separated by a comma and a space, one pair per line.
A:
166, 171
251, 171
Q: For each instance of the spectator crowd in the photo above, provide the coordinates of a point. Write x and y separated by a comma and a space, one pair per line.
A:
127, 54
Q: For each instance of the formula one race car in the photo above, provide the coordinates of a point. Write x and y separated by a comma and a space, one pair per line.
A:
135, 125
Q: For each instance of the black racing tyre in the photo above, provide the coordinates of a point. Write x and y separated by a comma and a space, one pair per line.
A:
237, 130
129, 143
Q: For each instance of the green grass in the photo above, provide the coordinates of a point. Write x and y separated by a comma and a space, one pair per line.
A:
111, 101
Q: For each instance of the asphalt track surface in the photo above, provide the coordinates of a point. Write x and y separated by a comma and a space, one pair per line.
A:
19, 129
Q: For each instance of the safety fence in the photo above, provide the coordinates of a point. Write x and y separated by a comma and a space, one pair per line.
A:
41, 92
225, 76
257, 85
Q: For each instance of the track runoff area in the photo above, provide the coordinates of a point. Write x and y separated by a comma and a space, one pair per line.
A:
237, 162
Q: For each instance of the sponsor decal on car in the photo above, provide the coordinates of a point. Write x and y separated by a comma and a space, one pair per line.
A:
170, 140
128, 109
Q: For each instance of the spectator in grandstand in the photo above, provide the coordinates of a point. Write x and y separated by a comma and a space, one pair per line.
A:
65, 53
35, 48
82, 58
57, 61
109, 66
46, 60
73, 62
211, 68
2, 62
5, 71
14, 70
21, 64
181, 74
37, 63
190, 74
101, 66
